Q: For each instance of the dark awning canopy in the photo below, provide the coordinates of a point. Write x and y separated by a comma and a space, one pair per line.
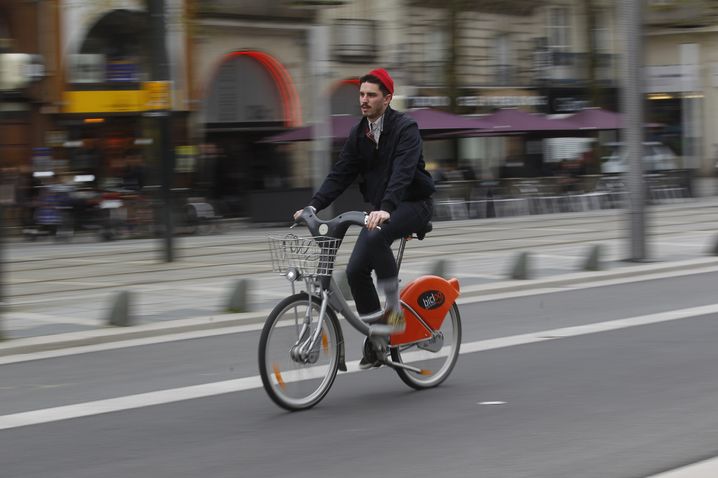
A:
597, 118
512, 120
430, 122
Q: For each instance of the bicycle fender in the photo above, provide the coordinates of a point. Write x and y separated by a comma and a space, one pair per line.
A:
430, 297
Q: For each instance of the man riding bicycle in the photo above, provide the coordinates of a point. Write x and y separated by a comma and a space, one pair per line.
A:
384, 151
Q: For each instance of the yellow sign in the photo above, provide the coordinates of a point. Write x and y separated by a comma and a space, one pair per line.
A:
158, 95
154, 95
105, 101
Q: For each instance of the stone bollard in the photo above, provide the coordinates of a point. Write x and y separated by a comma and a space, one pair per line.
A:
715, 248
593, 261
340, 277
490, 207
239, 297
120, 312
521, 269
440, 268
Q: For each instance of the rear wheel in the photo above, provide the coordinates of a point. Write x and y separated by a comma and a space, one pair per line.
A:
436, 358
297, 378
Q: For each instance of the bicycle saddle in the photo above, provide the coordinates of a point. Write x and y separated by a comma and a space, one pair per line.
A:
421, 234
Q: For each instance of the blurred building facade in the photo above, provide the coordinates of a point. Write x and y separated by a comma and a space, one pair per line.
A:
85, 112
682, 77
30, 86
245, 69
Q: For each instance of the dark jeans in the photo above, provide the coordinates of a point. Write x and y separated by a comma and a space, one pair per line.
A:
373, 252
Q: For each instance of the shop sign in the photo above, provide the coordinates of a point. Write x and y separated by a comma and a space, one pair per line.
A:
427, 101
185, 158
154, 95
502, 101
107, 101
159, 95
569, 104
123, 71
87, 68
672, 79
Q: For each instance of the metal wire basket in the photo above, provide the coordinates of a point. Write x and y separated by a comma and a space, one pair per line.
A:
311, 256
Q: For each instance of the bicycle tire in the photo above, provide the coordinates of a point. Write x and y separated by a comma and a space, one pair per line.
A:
427, 360
285, 379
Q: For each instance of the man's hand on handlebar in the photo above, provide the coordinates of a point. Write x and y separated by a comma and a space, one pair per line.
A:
376, 219
299, 213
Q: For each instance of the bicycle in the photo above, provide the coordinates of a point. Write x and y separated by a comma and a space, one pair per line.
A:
301, 347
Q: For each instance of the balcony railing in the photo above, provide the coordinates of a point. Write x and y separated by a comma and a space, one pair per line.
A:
572, 66
682, 13
354, 40
265, 9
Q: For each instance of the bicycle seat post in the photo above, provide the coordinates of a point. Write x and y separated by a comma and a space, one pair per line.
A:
400, 253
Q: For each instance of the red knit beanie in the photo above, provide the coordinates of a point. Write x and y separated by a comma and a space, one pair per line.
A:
385, 78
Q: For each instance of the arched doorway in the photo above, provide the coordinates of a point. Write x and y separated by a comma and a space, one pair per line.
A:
112, 59
249, 97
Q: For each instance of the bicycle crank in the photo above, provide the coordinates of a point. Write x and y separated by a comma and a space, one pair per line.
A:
420, 371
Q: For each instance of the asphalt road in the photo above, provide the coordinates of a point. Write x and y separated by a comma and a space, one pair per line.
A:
549, 385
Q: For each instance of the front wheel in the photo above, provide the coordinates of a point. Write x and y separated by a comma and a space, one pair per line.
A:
436, 359
296, 373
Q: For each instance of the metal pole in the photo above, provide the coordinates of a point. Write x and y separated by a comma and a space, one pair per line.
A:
321, 146
2, 237
632, 19
161, 72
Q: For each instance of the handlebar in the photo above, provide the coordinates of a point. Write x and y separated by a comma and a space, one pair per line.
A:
335, 227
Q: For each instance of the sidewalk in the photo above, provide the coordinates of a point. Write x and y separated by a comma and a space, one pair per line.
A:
60, 295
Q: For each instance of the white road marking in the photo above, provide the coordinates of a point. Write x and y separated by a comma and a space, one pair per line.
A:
128, 343
491, 403
702, 469
141, 400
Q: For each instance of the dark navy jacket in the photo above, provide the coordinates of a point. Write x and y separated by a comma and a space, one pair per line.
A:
388, 173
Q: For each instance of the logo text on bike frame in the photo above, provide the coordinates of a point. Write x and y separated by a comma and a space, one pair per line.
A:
431, 299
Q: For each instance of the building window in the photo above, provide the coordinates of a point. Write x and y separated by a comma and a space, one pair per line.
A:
503, 61
435, 56
559, 29
601, 33
354, 40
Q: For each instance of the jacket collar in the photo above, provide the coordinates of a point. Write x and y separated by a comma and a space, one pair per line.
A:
389, 114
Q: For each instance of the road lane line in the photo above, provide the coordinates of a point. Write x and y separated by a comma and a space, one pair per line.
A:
83, 349
141, 400
702, 469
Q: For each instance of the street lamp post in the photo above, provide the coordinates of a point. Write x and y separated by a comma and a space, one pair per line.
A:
161, 114
2, 234
632, 18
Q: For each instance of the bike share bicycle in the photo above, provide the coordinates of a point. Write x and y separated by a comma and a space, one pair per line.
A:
301, 347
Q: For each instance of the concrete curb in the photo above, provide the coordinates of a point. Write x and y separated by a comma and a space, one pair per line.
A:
218, 321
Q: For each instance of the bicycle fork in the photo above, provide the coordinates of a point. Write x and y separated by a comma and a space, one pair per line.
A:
306, 348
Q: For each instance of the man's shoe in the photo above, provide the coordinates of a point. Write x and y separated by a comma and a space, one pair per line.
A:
366, 364
395, 320
392, 323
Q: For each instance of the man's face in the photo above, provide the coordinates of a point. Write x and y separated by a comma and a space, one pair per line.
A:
372, 101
